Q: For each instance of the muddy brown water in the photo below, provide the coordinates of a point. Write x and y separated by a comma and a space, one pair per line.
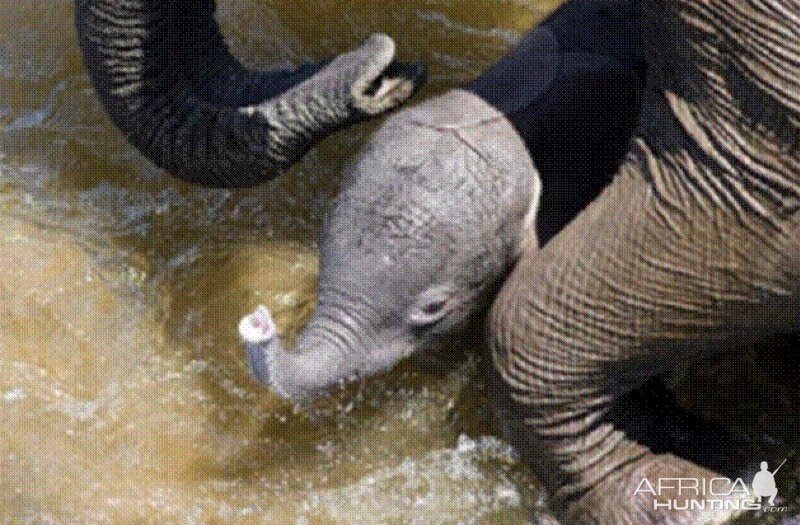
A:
124, 395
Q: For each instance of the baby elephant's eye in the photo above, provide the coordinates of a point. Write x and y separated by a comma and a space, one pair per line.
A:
431, 306
435, 307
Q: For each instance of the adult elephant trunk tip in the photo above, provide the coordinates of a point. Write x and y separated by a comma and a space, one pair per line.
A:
384, 84
167, 78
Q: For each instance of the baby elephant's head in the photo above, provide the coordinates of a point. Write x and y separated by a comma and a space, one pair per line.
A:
431, 216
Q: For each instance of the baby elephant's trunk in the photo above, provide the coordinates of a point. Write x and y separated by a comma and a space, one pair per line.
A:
326, 355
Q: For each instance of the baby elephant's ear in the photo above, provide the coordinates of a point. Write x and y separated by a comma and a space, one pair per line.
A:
432, 305
167, 78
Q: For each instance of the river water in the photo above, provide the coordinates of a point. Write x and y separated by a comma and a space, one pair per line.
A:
124, 394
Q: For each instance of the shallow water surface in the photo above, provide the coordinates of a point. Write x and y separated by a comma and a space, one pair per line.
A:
124, 395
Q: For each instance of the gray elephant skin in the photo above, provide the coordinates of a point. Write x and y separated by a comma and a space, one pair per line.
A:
690, 246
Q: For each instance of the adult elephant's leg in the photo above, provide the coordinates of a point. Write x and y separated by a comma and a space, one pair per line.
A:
635, 285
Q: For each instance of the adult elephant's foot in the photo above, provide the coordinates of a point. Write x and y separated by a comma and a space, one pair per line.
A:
660, 489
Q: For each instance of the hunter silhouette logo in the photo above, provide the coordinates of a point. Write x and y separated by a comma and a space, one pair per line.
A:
764, 483
720, 493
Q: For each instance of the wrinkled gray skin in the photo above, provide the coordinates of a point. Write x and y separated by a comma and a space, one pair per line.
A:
167, 78
694, 247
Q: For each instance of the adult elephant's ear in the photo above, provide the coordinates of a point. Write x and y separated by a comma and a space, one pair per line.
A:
166, 76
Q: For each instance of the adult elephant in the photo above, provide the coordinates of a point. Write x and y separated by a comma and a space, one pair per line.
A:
167, 78
693, 248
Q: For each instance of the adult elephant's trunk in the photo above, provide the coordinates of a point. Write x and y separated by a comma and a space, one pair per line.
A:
165, 74
330, 351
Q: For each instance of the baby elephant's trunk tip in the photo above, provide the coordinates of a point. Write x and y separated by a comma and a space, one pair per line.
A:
260, 334
258, 326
